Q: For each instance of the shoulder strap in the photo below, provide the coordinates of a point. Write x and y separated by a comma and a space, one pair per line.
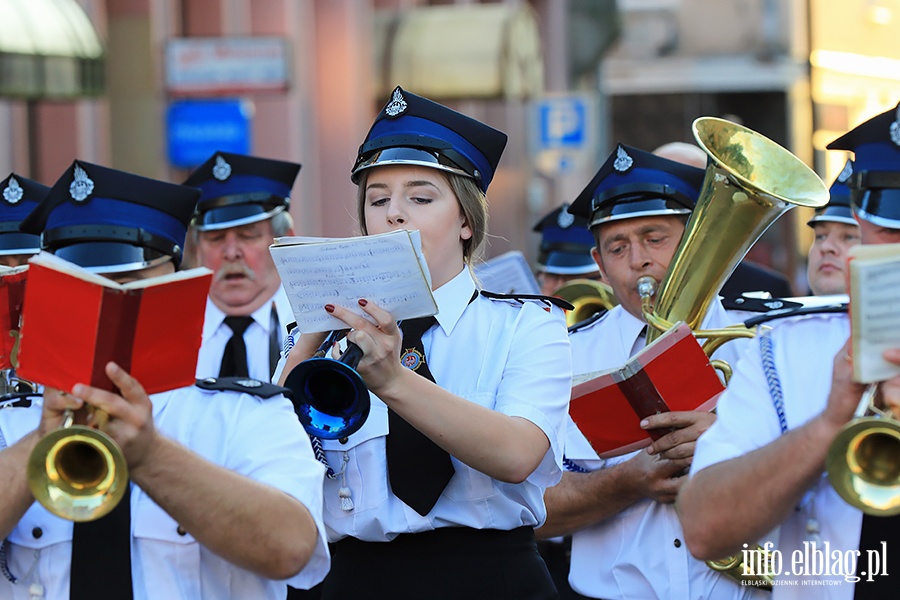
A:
522, 297
243, 385
589, 321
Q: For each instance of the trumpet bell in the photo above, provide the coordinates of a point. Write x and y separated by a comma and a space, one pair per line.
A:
587, 296
863, 465
77, 473
330, 397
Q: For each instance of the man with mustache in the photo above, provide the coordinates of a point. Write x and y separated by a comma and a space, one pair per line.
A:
242, 208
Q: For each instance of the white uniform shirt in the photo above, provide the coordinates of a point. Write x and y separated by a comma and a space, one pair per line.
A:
504, 355
638, 553
258, 438
804, 348
257, 337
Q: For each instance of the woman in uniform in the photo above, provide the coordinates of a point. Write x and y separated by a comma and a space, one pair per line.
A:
437, 495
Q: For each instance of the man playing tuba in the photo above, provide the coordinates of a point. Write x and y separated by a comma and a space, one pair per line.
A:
627, 541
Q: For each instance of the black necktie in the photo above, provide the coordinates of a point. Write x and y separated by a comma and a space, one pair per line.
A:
234, 359
101, 556
418, 469
876, 530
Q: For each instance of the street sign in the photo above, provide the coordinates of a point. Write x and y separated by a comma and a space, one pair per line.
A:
226, 65
197, 128
563, 132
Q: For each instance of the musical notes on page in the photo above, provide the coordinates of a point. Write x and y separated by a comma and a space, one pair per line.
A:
388, 269
874, 309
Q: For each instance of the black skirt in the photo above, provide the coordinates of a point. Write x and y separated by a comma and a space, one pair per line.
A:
448, 563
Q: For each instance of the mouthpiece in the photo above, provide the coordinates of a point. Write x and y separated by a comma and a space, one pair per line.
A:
646, 286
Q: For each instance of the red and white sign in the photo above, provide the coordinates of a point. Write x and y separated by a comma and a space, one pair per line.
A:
226, 65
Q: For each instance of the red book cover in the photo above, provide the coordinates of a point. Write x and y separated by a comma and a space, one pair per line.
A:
672, 373
74, 322
12, 294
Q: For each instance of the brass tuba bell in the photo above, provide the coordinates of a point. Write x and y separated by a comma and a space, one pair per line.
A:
587, 296
863, 461
750, 181
76, 472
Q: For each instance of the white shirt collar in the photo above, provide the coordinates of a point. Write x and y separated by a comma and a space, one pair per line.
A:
452, 299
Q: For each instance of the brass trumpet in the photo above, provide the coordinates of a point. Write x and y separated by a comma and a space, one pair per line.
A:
76, 472
863, 461
588, 297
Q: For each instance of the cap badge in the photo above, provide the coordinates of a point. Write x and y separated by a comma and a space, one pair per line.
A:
412, 359
846, 172
13, 192
397, 105
623, 162
82, 186
565, 218
222, 170
895, 128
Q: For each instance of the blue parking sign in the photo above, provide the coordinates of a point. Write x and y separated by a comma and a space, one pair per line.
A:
198, 128
563, 122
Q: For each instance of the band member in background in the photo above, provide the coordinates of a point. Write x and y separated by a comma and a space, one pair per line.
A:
242, 208
20, 196
565, 250
764, 459
626, 538
836, 231
225, 495
445, 480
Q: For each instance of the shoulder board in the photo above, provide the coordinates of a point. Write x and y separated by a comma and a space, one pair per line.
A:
290, 326
796, 312
244, 385
758, 304
523, 297
16, 400
589, 321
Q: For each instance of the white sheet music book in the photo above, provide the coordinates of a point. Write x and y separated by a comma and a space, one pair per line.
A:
507, 273
388, 269
874, 309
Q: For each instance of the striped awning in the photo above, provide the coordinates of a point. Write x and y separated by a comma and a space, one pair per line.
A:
48, 49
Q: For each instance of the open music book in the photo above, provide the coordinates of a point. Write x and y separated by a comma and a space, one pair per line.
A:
507, 273
874, 309
672, 373
75, 321
388, 269
12, 294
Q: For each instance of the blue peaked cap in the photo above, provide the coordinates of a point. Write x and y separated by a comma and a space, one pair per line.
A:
110, 221
414, 130
566, 243
875, 182
634, 183
838, 208
19, 197
237, 189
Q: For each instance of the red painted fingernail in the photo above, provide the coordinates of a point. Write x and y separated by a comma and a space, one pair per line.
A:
363, 301
329, 308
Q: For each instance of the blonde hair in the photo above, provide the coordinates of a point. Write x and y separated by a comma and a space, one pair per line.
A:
472, 202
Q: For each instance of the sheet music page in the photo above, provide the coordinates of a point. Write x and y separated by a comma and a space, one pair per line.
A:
508, 273
388, 269
874, 309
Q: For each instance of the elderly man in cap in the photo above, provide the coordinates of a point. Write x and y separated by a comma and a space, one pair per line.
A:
242, 208
20, 196
835, 232
565, 250
215, 508
626, 538
763, 462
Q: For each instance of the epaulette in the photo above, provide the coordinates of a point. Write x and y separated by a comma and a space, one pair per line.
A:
16, 400
244, 385
784, 313
522, 297
589, 321
759, 305
290, 327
